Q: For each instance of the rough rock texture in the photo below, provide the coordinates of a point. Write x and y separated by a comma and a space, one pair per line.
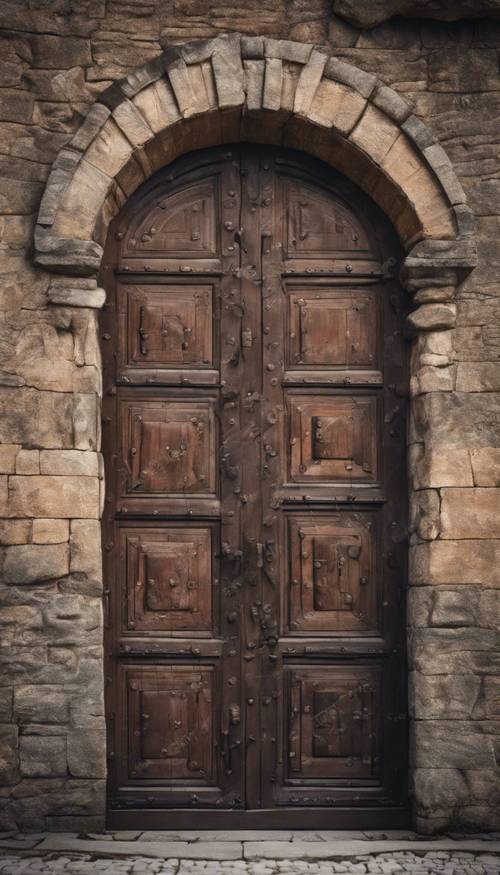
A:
373, 12
60, 58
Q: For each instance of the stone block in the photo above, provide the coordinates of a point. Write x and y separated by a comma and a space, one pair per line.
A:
67, 462
76, 297
336, 105
228, 72
451, 744
50, 531
457, 562
37, 703
449, 467
438, 790
42, 756
9, 764
433, 317
453, 608
110, 150
28, 462
273, 82
31, 563
309, 79
158, 106
424, 514
486, 466
455, 420
66, 255
470, 513
81, 203
60, 52
87, 751
347, 74
6, 701
8, 455
478, 377
14, 532
85, 548
443, 697
58, 497
254, 83
375, 134
92, 124
433, 379
388, 100
132, 123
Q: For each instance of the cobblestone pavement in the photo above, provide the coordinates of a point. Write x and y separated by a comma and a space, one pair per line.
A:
453, 863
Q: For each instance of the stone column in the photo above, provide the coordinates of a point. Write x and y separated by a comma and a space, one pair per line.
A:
453, 606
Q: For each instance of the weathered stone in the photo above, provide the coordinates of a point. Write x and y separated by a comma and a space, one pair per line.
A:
445, 697
158, 106
30, 563
452, 561
50, 531
14, 532
478, 377
228, 72
92, 124
451, 745
425, 513
8, 456
65, 254
375, 134
432, 317
309, 80
28, 462
60, 52
9, 764
370, 14
439, 789
273, 79
391, 103
67, 462
254, 82
42, 757
456, 420
450, 467
337, 106
85, 548
59, 497
87, 751
357, 79
35, 703
77, 297
470, 513
485, 466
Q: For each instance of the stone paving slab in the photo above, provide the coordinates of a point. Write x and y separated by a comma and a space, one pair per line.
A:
338, 849
183, 850
214, 835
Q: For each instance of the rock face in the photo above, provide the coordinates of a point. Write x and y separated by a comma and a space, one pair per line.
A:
52, 734
372, 12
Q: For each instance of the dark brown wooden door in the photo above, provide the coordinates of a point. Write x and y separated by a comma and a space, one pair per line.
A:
254, 527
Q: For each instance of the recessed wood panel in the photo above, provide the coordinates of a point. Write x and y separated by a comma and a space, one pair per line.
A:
170, 722
333, 722
331, 581
319, 225
168, 326
333, 437
169, 447
332, 327
181, 223
168, 578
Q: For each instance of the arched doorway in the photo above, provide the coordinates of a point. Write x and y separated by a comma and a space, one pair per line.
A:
255, 377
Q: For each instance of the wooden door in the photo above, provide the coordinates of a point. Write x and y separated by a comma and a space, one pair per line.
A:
254, 526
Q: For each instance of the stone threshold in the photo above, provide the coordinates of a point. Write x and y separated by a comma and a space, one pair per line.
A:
278, 845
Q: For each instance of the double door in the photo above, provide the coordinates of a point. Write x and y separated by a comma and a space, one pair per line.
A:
254, 525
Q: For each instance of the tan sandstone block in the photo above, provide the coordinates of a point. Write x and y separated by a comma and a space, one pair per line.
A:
254, 82
478, 377
203, 86
67, 462
470, 513
50, 531
158, 106
375, 134
337, 106
85, 548
448, 467
290, 78
82, 202
132, 124
30, 563
14, 532
402, 161
57, 497
28, 462
456, 562
110, 150
8, 454
486, 466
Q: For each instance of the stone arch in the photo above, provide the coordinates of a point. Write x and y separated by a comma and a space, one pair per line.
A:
236, 88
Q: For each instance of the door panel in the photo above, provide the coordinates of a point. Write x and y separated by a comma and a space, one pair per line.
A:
254, 525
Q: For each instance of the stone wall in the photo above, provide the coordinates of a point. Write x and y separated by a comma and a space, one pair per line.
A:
60, 57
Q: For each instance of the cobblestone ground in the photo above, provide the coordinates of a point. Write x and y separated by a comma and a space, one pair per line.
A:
457, 863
